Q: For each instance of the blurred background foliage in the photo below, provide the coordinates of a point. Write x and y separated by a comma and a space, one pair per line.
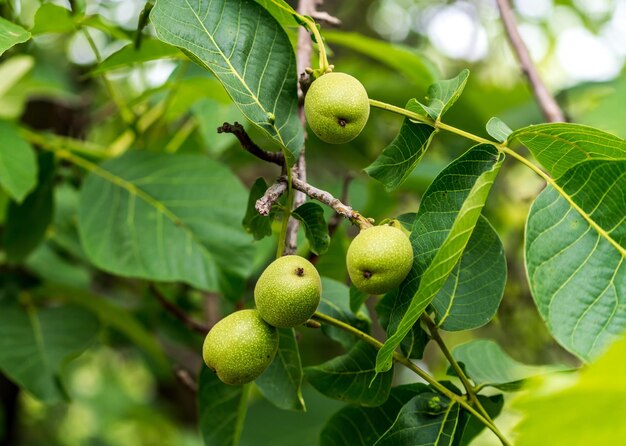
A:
122, 390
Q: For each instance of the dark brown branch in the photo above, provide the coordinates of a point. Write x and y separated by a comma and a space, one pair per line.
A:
548, 105
249, 145
178, 312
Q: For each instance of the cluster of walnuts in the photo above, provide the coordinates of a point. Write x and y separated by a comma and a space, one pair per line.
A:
242, 345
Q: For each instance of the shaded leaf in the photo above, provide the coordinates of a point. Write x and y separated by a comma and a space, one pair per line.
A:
11, 34
559, 147
36, 210
248, 51
352, 377
446, 218
426, 419
400, 157
311, 215
469, 426
357, 298
335, 302
488, 365
362, 426
472, 294
566, 247
112, 316
222, 409
18, 164
498, 129
35, 343
281, 383
258, 225
166, 218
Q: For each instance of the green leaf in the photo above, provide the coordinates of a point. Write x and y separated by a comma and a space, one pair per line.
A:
222, 409
128, 56
446, 218
402, 59
281, 383
472, 294
258, 225
335, 302
357, 298
18, 164
311, 215
488, 365
427, 419
443, 94
352, 377
558, 147
11, 34
166, 218
19, 238
400, 157
498, 129
51, 18
589, 409
248, 51
362, 426
567, 247
35, 343
282, 12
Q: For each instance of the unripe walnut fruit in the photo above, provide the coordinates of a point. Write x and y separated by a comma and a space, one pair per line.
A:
240, 347
379, 259
288, 291
336, 107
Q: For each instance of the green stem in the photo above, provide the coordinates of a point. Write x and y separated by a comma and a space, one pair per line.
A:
398, 357
436, 336
55, 142
127, 114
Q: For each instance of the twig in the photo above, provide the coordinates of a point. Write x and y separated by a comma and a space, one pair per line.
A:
548, 105
247, 143
179, 313
303, 60
184, 376
264, 204
323, 16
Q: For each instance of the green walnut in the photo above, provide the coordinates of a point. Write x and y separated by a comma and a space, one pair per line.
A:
336, 107
379, 259
240, 347
288, 291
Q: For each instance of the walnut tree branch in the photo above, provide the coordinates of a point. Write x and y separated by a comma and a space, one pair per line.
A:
249, 145
178, 312
547, 103
264, 204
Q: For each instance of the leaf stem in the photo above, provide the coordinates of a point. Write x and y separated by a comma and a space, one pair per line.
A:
436, 336
398, 357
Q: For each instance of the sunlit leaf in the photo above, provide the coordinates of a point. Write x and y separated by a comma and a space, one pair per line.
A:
11, 34
18, 164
